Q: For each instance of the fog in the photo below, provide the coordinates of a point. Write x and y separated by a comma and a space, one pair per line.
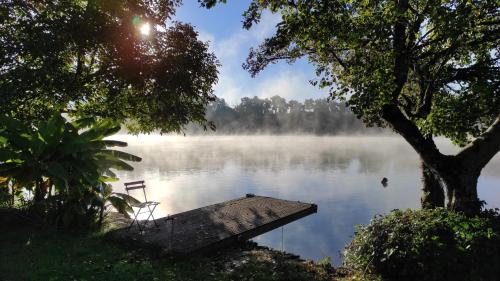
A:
277, 116
340, 174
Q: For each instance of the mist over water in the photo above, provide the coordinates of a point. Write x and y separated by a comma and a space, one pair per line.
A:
342, 175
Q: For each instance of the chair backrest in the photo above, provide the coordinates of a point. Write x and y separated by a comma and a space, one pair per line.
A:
133, 185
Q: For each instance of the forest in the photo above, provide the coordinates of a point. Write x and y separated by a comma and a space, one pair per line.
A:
276, 116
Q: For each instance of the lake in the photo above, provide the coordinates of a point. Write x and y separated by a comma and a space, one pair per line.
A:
341, 175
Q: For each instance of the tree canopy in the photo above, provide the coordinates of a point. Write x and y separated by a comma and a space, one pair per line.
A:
447, 78
90, 58
425, 67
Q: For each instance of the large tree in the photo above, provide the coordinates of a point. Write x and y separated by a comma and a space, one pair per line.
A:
426, 68
93, 57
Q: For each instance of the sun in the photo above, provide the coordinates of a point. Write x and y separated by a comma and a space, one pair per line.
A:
145, 29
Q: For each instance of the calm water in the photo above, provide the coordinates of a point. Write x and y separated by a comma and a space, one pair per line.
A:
340, 174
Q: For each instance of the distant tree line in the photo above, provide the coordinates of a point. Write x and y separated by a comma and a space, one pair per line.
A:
276, 115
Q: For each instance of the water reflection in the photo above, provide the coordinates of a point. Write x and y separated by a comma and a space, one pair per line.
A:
340, 174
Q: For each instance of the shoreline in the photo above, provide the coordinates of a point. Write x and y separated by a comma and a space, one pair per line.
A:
34, 252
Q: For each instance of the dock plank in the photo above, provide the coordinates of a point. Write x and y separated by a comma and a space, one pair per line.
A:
217, 225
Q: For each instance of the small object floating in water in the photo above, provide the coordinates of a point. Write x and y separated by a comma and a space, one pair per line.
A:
384, 182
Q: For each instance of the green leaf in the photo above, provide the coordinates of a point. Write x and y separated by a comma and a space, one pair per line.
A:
120, 205
20, 140
37, 146
111, 143
11, 124
129, 199
101, 130
52, 130
6, 155
57, 170
122, 155
115, 164
9, 169
108, 179
107, 190
107, 172
85, 122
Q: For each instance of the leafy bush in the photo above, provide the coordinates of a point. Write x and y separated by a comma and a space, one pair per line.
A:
428, 245
66, 165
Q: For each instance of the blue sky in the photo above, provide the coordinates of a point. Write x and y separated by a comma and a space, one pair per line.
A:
230, 42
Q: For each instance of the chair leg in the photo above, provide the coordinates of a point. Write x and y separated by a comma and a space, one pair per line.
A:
136, 214
132, 223
151, 215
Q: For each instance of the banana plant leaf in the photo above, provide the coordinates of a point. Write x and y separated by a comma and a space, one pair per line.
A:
75, 157
108, 179
58, 170
7, 154
108, 173
7, 167
102, 129
83, 123
113, 163
129, 199
11, 123
122, 155
52, 131
120, 205
106, 190
111, 143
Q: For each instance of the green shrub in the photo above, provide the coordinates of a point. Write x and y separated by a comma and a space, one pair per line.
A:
428, 245
66, 165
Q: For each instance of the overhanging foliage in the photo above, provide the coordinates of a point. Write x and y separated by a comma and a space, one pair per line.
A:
90, 58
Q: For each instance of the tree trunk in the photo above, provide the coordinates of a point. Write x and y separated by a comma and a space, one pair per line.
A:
457, 174
49, 193
432, 191
13, 190
101, 214
38, 197
460, 182
461, 188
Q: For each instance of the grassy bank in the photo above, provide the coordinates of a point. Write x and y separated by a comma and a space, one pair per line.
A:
28, 253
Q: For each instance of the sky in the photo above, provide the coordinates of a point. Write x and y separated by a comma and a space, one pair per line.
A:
222, 27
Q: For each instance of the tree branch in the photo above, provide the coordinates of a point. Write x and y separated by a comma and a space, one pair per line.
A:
401, 59
480, 151
425, 147
471, 72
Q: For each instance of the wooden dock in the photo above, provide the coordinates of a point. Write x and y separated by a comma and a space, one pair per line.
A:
217, 225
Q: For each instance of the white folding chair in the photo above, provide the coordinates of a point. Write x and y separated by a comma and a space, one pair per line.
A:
148, 206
